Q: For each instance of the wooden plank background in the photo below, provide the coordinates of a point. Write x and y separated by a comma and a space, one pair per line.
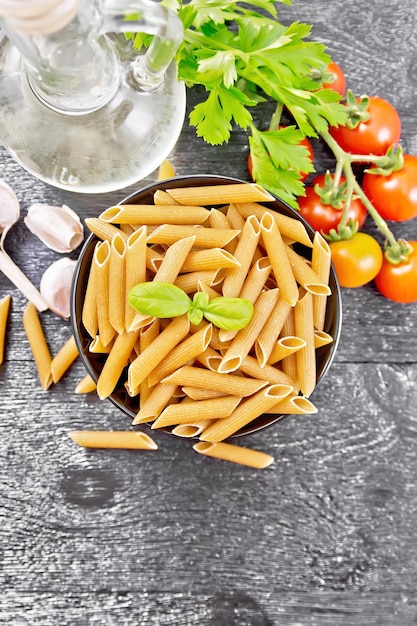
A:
325, 536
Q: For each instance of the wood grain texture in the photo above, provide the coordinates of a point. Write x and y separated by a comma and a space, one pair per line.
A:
326, 536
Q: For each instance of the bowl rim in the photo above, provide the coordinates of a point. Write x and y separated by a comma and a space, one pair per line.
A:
253, 426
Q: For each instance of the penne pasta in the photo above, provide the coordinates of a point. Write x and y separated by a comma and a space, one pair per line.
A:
190, 430
135, 269
269, 334
4, 314
115, 363
235, 219
97, 346
294, 405
234, 454
245, 249
162, 198
320, 264
101, 260
289, 363
278, 258
86, 385
305, 275
306, 357
289, 227
284, 347
201, 394
38, 345
103, 230
89, 311
188, 349
113, 439
220, 194
245, 339
321, 338
159, 397
117, 283
204, 237
247, 411
64, 359
147, 336
148, 214
186, 412
231, 384
165, 170
154, 354
250, 366
210, 259
190, 282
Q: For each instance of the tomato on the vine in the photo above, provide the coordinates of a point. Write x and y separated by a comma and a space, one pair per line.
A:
357, 260
398, 282
304, 142
339, 82
394, 196
324, 217
376, 135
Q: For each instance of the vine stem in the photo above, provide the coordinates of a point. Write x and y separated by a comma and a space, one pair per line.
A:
344, 162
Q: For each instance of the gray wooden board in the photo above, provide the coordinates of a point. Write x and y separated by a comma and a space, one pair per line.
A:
325, 536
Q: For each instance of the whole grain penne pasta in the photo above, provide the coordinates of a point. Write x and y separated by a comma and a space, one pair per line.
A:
101, 260
128, 229
289, 227
97, 346
220, 194
38, 345
284, 347
204, 237
230, 384
162, 198
190, 281
245, 339
174, 260
186, 412
289, 363
305, 275
115, 363
245, 249
86, 385
89, 310
247, 411
250, 366
209, 259
278, 258
159, 397
154, 354
4, 313
218, 219
154, 259
306, 357
149, 214
188, 349
210, 358
201, 394
321, 338
269, 334
165, 170
235, 219
103, 230
64, 359
320, 264
113, 439
193, 429
294, 405
147, 336
234, 454
117, 283
204, 288
135, 269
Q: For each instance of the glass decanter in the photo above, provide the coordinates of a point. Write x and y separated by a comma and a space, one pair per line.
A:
80, 107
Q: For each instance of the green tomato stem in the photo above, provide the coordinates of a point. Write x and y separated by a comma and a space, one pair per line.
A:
344, 162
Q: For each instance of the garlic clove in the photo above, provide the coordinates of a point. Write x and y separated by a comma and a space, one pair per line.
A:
9, 209
55, 286
59, 228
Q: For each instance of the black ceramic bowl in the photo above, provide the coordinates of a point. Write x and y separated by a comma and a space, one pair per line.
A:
94, 362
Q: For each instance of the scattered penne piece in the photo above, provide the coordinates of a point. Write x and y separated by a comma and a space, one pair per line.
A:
38, 345
234, 454
86, 385
4, 314
64, 359
113, 439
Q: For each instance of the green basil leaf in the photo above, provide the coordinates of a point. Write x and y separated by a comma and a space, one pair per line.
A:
229, 313
159, 299
198, 306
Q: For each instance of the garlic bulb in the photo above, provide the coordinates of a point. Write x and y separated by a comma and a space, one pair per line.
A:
59, 228
55, 286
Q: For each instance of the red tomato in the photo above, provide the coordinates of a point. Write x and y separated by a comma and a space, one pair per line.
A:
357, 260
399, 282
339, 82
375, 136
304, 142
324, 217
394, 196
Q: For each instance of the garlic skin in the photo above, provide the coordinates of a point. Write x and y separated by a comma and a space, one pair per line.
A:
55, 286
59, 228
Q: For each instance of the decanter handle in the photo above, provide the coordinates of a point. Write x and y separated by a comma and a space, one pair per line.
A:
145, 16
